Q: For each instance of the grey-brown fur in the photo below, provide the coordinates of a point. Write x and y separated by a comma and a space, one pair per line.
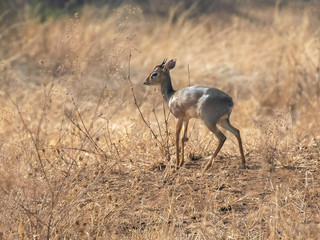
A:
211, 105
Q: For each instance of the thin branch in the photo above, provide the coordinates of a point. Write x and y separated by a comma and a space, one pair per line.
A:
34, 142
166, 119
85, 131
159, 127
188, 75
136, 103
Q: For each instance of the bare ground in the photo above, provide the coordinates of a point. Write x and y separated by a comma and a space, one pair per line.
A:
224, 202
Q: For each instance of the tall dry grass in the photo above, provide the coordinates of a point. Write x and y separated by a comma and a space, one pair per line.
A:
78, 161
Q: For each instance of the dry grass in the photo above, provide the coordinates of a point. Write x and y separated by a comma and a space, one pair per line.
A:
78, 162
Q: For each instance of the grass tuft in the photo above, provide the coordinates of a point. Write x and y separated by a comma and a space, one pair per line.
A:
86, 151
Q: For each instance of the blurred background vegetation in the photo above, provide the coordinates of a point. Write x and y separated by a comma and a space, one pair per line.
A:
54, 8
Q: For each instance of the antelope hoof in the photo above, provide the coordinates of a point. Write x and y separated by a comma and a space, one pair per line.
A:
243, 166
185, 139
181, 164
176, 167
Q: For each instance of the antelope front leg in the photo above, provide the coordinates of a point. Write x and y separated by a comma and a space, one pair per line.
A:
183, 140
178, 129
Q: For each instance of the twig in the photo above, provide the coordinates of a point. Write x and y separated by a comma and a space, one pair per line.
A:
189, 86
159, 127
34, 142
136, 103
85, 131
189, 75
166, 130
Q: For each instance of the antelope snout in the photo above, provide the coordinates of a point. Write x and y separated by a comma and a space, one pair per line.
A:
147, 82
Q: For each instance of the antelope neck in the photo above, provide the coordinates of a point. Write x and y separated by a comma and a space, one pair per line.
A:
167, 89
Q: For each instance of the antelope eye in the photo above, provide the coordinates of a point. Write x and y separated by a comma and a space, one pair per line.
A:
154, 74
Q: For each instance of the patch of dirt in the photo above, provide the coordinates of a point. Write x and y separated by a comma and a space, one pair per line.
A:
256, 200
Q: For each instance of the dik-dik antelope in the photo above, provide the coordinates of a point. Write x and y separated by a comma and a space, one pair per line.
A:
211, 105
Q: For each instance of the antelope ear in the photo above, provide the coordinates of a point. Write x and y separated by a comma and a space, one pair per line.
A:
171, 64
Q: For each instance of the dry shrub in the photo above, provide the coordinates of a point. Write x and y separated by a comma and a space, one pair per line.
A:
276, 137
78, 161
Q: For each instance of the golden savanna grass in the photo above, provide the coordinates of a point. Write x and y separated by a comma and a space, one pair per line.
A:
79, 161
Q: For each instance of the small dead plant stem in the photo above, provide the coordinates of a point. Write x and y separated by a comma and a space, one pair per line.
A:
164, 143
